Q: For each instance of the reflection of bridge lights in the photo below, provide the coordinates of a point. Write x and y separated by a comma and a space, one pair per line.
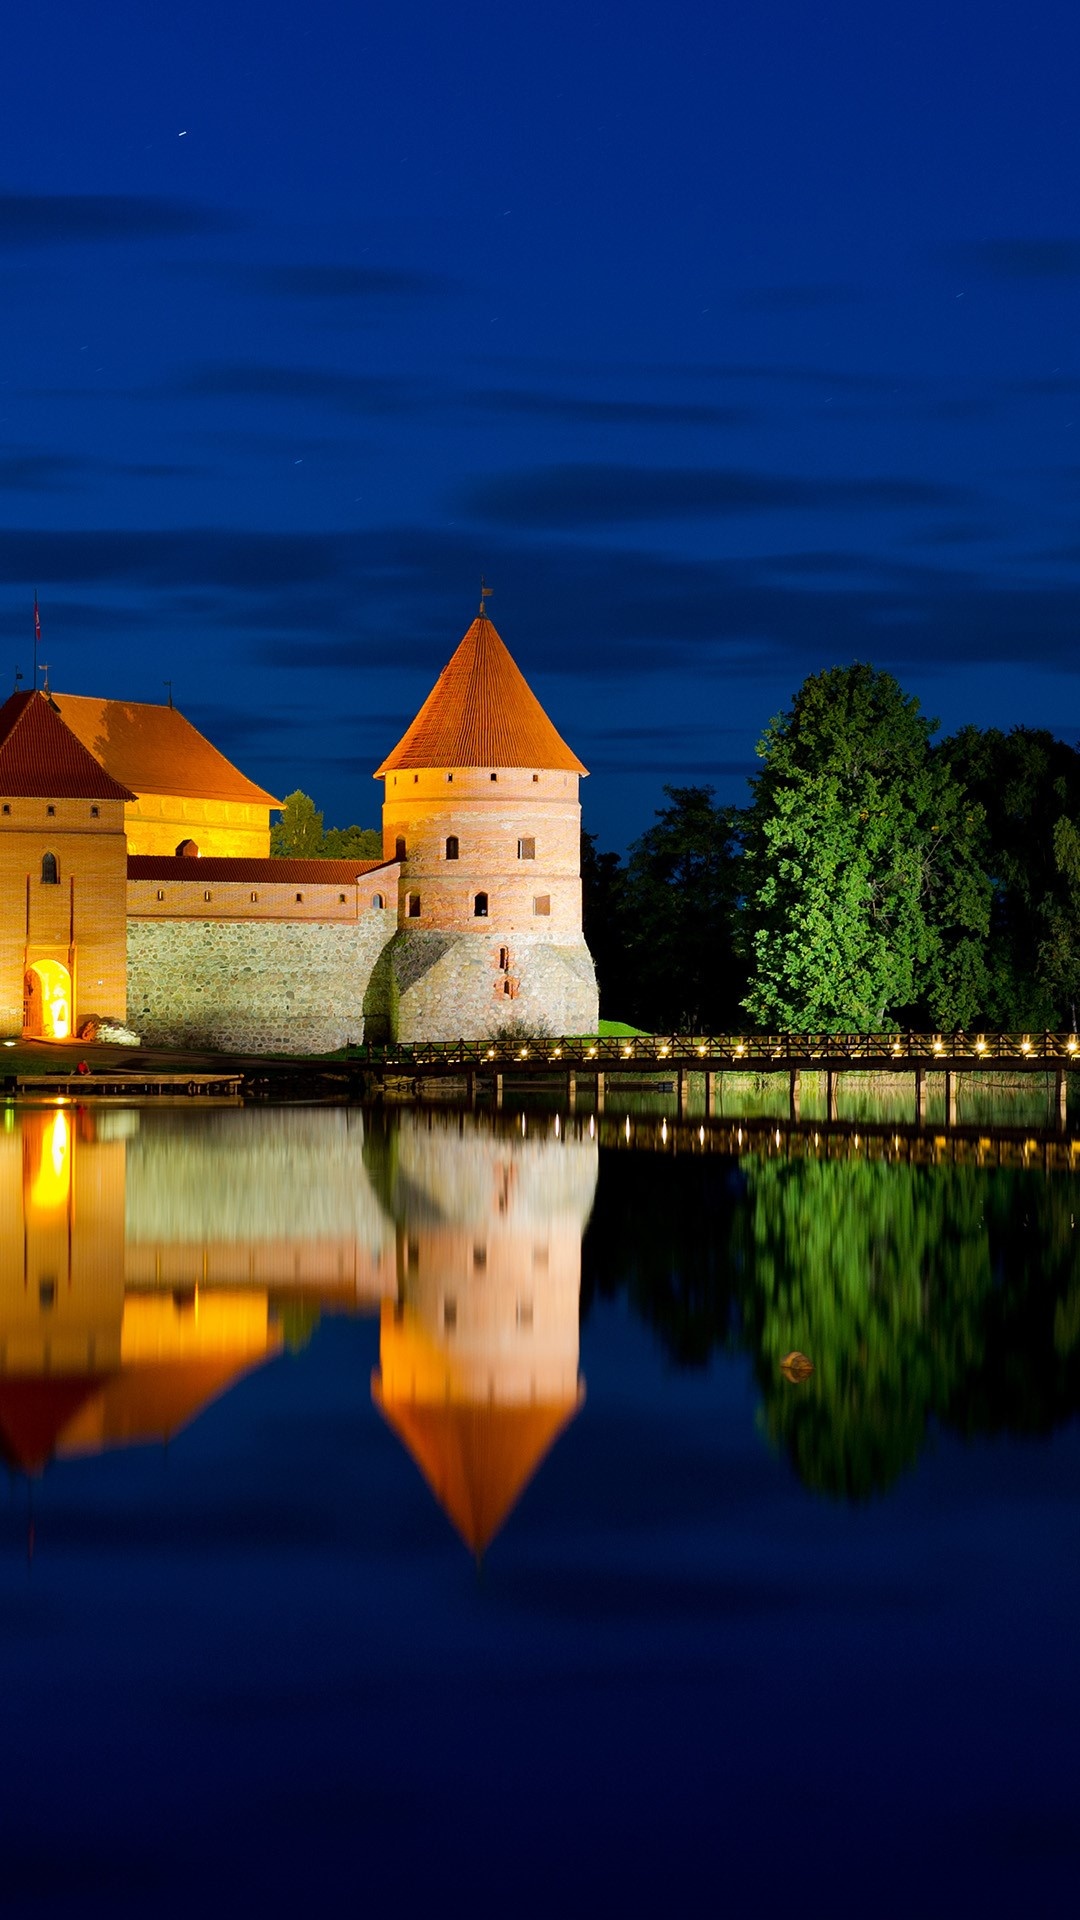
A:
592, 1127
739, 1136
701, 1135
556, 1126
778, 1136
628, 1126
856, 1143
663, 1131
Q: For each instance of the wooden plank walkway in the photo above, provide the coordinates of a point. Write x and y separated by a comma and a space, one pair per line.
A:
487, 1066
114, 1083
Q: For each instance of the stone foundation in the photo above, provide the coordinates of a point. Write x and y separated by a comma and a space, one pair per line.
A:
451, 987
250, 987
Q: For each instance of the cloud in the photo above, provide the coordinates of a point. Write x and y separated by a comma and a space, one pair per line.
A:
23, 472
592, 410
585, 495
343, 283
1025, 259
52, 219
180, 557
351, 392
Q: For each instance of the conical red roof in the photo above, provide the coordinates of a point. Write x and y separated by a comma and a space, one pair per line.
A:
41, 757
477, 1458
481, 712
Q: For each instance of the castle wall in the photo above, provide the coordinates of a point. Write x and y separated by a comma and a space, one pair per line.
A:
78, 919
226, 829
251, 987
448, 986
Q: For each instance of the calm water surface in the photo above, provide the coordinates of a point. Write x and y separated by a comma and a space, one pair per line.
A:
414, 1507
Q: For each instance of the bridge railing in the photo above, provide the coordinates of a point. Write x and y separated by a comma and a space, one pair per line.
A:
730, 1052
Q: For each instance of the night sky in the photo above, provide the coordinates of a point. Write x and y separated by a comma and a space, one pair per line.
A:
728, 342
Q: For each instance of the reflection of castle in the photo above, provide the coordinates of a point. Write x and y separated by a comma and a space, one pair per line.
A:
141, 1276
149, 1259
479, 1354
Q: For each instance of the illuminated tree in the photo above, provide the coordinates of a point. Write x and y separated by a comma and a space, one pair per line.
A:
865, 899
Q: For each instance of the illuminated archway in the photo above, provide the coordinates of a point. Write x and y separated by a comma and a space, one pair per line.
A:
48, 1001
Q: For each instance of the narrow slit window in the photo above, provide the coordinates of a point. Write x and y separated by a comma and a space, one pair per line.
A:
254, 899
452, 846
206, 895
299, 899
414, 906
341, 899
51, 811
399, 848
480, 906
50, 872
7, 806
494, 776
536, 779
161, 893
504, 959
95, 813
527, 849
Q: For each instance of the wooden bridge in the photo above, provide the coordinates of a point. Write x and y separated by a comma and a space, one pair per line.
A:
588, 1066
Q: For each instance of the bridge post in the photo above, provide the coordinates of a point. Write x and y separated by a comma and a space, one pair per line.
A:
1062, 1100
684, 1093
920, 1096
794, 1093
831, 1079
470, 1087
599, 1093
950, 1099
498, 1090
710, 1093
571, 1090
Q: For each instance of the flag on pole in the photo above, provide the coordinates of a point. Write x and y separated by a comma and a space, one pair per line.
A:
37, 623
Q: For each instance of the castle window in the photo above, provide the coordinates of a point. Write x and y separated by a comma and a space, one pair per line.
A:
50, 872
206, 895
95, 813
254, 899
526, 849
299, 899
450, 778
449, 1315
399, 848
412, 907
7, 806
452, 846
480, 906
161, 893
542, 903
504, 959
494, 776
187, 850
50, 810
377, 900
341, 899
536, 778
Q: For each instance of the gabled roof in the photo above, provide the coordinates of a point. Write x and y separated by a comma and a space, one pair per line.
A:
481, 712
155, 750
202, 869
40, 756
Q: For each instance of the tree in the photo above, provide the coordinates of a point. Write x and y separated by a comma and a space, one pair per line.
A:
299, 835
603, 918
866, 902
1028, 785
680, 904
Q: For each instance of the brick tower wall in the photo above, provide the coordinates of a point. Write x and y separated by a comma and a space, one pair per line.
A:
88, 900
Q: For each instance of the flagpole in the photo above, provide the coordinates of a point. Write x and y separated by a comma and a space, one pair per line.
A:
37, 638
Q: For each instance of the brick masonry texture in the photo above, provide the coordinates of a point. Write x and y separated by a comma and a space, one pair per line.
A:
269, 988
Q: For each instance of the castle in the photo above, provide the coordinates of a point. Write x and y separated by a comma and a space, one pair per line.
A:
136, 883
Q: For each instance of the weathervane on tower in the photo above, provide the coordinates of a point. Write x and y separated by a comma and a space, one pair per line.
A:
485, 594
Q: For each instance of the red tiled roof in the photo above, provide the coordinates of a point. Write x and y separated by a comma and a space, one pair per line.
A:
155, 750
481, 712
41, 756
155, 866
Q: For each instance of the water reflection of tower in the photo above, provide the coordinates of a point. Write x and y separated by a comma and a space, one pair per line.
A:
479, 1353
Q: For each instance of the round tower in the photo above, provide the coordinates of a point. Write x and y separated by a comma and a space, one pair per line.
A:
481, 808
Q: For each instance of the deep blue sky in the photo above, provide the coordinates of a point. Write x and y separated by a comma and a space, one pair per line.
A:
728, 342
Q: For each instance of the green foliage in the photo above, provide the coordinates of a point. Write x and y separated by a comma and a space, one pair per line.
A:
299, 835
1028, 785
865, 899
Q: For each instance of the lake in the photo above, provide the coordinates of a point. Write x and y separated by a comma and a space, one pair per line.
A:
426, 1507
